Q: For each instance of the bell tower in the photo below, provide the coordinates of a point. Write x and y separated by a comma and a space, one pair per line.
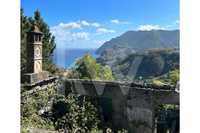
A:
34, 48
34, 73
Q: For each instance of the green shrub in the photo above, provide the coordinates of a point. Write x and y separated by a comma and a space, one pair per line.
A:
77, 114
87, 68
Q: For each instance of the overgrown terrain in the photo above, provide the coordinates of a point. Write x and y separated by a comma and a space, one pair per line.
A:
46, 109
150, 64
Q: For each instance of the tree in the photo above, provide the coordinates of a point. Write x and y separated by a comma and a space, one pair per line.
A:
87, 68
48, 40
25, 27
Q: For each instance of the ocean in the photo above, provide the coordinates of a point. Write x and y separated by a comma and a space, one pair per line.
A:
66, 58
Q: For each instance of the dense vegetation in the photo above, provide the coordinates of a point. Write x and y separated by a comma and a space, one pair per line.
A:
48, 41
170, 78
87, 68
46, 109
146, 65
30, 110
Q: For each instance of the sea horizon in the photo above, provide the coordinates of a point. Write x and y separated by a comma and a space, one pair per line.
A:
67, 57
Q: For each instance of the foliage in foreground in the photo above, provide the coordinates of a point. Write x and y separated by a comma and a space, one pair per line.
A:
30, 110
71, 113
74, 113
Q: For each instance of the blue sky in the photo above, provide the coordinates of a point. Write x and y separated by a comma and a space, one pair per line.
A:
89, 23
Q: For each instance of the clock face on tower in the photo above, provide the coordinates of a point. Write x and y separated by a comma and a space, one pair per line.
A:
37, 52
38, 66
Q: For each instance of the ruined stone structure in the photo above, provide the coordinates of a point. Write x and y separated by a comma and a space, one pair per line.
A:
34, 74
133, 104
35, 50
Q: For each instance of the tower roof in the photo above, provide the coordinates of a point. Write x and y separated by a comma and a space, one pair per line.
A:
35, 29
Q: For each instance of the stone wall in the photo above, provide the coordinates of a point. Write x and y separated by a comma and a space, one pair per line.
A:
28, 91
132, 104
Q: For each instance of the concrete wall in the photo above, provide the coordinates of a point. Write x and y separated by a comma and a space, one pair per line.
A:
132, 104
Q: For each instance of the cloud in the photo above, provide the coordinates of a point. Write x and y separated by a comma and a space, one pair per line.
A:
75, 25
77, 34
67, 35
149, 27
116, 21
86, 23
96, 24
104, 30
68, 26
80, 36
66, 32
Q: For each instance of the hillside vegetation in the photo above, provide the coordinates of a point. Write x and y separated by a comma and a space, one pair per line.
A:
148, 64
145, 54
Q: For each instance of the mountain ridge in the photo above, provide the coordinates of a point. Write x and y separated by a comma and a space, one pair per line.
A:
159, 50
142, 40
